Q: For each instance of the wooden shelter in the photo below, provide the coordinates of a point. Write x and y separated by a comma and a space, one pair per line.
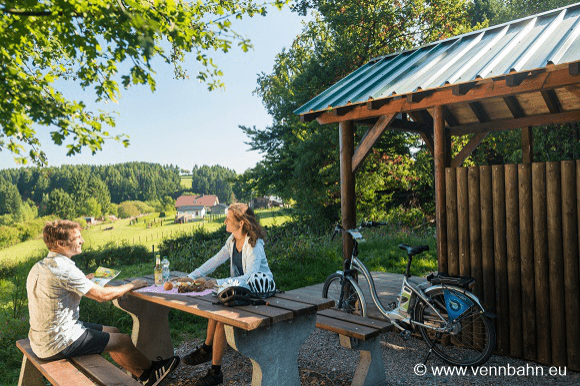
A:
515, 228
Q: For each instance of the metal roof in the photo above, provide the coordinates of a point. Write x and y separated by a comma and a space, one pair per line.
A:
522, 45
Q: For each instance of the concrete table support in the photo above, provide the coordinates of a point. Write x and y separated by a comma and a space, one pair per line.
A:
371, 368
273, 350
150, 332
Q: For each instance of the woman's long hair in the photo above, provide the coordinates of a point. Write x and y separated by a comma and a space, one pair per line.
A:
251, 227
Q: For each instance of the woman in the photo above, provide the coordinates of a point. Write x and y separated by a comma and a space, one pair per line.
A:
245, 251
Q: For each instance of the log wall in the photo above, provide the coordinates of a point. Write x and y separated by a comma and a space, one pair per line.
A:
516, 229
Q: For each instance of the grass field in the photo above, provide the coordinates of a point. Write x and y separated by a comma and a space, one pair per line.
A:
148, 230
186, 182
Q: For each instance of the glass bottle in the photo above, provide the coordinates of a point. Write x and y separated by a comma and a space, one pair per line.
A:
158, 272
165, 269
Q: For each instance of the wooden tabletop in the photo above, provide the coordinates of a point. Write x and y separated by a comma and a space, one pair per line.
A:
280, 307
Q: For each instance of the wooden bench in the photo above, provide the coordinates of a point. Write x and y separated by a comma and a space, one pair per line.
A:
358, 333
84, 370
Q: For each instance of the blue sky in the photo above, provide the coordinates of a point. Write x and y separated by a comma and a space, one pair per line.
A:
182, 123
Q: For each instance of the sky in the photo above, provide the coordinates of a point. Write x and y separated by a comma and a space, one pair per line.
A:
182, 123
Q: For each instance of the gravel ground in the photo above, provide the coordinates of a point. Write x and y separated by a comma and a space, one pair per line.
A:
322, 361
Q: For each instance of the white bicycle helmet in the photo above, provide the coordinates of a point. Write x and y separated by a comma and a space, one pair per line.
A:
262, 284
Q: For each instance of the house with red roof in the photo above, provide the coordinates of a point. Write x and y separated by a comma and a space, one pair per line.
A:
191, 207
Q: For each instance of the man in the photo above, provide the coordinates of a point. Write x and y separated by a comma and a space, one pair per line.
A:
55, 287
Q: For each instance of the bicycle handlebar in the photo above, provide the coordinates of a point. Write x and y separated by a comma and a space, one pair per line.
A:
365, 224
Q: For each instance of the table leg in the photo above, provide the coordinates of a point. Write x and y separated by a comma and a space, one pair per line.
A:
151, 334
273, 350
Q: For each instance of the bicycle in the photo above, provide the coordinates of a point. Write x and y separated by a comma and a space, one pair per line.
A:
449, 317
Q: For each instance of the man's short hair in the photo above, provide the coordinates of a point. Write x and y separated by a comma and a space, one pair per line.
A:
58, 230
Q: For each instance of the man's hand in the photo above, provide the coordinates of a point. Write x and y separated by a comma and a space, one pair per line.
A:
90, 276
138, 283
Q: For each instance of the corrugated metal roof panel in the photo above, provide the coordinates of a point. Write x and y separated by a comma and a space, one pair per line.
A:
522, 45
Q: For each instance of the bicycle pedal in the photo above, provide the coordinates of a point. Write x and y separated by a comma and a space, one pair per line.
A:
406, 335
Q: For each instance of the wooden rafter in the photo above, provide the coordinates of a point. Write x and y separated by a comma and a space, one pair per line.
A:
552, 101
479, 111
449, 117
369, 139
574, 90
516, 123
514, 106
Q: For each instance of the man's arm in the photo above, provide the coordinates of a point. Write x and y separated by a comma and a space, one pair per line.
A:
105, 294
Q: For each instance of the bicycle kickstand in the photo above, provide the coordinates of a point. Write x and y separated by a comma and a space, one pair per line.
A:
429, 352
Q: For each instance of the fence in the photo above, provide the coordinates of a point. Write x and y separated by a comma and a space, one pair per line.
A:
515, 228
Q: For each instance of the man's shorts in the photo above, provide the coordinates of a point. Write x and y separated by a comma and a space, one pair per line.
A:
92, 341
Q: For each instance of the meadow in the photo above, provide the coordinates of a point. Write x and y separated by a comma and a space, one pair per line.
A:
297, 256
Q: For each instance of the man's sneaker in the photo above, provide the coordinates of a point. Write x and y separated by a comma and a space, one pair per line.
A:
158, 371
197, 357
210, 379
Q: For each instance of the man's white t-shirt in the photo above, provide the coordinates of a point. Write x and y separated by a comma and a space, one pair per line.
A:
55, 286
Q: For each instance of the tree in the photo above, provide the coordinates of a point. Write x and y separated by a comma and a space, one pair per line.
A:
100, 45
214, 179
10, 200
61, 204
301, 160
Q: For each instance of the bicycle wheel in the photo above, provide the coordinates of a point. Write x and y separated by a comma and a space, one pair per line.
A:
353, 301
471, 339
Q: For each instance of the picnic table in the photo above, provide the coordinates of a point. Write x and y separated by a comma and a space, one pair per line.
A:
269, 335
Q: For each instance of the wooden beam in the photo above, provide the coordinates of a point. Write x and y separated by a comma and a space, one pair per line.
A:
464, 88
373, 104
370, 138
516, 79
428, 139
449, 117
574, 90
553, 77
340, 111
468, 149
527, 145
347, 183
514, 105
309, 117
574, 69
479, 111
440, 211
552, 101
418, 96
510, 124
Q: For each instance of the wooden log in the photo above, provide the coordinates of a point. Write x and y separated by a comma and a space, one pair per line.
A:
475, 230
500, 260
439, 160
487, 259
527, 145
463, 222
463, 237
452, 232
527, 261
513, 260
571, 267
556, 263
541, 269
347, 184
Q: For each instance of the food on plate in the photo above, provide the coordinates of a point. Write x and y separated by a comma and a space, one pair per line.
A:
168, 286
189, 287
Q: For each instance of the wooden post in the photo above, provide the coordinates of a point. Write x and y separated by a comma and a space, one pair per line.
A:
513, 260
487, 260
347, 199
475, 230
451, 216
544, 348
527, 261
439, 140
463, 222
556, 264
500, 259
527, 145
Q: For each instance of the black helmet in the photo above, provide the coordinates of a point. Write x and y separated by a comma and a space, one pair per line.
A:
238, 296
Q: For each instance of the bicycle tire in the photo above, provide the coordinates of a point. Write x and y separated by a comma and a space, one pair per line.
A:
355, 301
471, 345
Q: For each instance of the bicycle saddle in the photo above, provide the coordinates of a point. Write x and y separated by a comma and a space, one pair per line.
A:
411, 251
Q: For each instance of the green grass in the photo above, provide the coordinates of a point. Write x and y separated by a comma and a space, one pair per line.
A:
186, 182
